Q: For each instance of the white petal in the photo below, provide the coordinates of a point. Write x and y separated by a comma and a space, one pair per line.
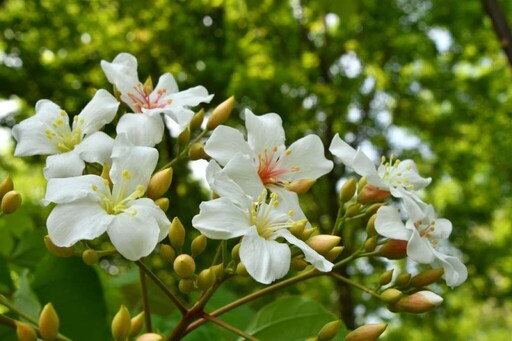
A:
179, 110
265, 260
243, 172
455, 272
415, 208
224, 186
389, 224
167, 82
99, 111
156, 212
265, 131
342, 150
408, 168
312, 257
221, 219
141, 129
289, 201
139, 161
226, 142
80, 220
308, 154
96, 147
362, 165
63, 165
66, 190
419, 249
134, 233
442, 229
122, 72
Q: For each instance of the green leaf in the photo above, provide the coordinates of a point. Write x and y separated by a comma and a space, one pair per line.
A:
289, 319
6, 285
76, 293
25, 299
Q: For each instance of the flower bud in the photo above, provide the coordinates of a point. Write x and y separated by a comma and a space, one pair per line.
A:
159, 183
353, 210
121, 324
197, 120
196, 152
323, 243
48, 323
136, 324
360, 184
218, 270
373, 209
370, 226
105, 173
90, 257
25, 332
235, 253
6, 186
205, 279
403, 280
348, 190
298, 264
419, 302
329, 330
163, 203
427, 277
184, 266
241, 270
57, 250
334, 253
177, 234
150, 337
198, 245
186, 286
367, 332
148, 85
184, 137
371, 193
370, 244
300, 186
298, 227
391, 295
386, 277
221, 113
11, 202
167, 253
393, 249
306, 233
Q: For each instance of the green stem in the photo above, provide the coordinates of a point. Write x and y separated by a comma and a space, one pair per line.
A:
228, 327
181, 307
145, 300
6, 303
185, 150
355, 284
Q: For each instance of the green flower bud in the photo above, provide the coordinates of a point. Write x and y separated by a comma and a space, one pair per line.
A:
186, 286
367, 332
307, 233
121, 324
163, 203
353, 210
323, 243
11, 202
419, 302
427, 277
136, 324
167, 253
370, 244
297, 228
241, 270
90, 257
57, 250
159, 183
348, 190
150, 337
386, 277
205, 279
298, 264
334, 253
221, 113
371, 194
393, 249
48, 323
197, 120
148, 85
196, 152
374, 208
218, 270
6, 186
177, 234
403, 280
391, 295
25, 332
370, 226
184, 137
198, 245
329, 331
300, 186
184, 266
235, 253
360, 184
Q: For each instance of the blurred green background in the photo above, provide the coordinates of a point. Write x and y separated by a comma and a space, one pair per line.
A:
423, 79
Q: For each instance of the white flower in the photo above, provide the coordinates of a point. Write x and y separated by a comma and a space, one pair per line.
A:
148, 129
270, 164
423, 236
258, 222
87, 207
48, 133
400, 178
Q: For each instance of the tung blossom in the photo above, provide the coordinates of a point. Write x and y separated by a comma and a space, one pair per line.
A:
258, 222
87, 207
400, 178
164, 98
271, 164
423, 236
48, 133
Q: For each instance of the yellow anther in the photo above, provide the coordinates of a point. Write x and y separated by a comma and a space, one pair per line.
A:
287, 152
62, 113
295, 168
94, 187
162, 91
274, 149
291, 213
126, 174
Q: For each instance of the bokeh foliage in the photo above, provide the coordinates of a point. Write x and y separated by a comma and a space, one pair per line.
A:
419, 78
